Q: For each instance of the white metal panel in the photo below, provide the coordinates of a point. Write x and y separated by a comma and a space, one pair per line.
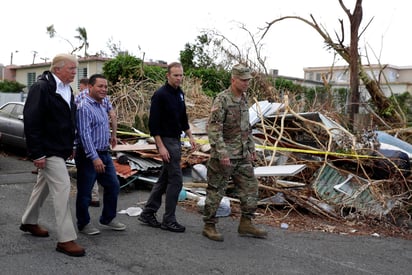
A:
278, 170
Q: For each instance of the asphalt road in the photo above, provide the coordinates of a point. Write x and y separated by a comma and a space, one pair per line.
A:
144, 250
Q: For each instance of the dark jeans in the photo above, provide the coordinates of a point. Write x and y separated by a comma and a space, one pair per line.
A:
86, 177
170, 182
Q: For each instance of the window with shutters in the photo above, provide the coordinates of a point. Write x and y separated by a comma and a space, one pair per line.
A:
31, 78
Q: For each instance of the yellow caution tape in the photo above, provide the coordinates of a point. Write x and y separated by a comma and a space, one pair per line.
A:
133, 134
306, 151
272, 148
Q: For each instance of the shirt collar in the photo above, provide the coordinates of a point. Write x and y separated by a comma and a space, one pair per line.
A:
59, 83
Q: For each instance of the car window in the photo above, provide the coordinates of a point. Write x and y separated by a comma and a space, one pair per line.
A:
6, 110
17, 111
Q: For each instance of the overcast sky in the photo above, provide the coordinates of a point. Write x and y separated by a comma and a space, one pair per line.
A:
160, 28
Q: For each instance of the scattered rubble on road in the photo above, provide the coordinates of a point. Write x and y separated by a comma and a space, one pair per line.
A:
307, 163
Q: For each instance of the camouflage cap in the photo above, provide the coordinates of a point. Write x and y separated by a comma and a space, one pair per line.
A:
241, 71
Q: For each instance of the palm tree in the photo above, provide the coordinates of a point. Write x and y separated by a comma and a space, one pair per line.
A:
83, 39
51, 31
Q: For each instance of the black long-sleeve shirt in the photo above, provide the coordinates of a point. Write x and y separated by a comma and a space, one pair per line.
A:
168, 117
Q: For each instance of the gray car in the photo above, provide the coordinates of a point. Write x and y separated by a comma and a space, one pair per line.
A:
11, 125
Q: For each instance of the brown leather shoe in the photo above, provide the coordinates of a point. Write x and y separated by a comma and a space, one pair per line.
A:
71, 248
34, 229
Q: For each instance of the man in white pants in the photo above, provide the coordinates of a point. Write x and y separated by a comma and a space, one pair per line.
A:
49, 126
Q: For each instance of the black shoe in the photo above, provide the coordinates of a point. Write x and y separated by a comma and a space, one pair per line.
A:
149, 219
173, 226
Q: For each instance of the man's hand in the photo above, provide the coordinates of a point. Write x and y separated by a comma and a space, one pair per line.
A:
40, 163
164, 154
73, 155
225, 162
193, 144
99, 165
113, 141
253, 156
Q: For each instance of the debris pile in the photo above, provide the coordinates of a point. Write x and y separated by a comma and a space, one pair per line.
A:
305, 161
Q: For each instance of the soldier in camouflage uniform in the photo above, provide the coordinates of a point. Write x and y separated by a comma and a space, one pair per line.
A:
232, 154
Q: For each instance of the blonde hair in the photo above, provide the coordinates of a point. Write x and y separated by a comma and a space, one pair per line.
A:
60, 60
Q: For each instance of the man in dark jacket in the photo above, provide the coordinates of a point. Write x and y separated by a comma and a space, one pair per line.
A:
168, 119
49, 126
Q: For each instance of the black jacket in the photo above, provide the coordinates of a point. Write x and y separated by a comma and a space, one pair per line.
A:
49, 123
168, 117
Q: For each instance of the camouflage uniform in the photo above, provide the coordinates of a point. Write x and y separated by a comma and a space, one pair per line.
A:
230, 135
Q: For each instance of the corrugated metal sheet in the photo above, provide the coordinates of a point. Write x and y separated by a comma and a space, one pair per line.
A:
143, 164
355, 191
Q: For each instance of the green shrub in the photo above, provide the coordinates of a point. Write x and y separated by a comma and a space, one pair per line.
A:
124, 66
7, 86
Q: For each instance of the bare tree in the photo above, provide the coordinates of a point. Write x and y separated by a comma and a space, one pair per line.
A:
355, 21
351, 55
114, 47
233, 53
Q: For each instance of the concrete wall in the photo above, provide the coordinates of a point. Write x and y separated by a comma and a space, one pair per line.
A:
7, 97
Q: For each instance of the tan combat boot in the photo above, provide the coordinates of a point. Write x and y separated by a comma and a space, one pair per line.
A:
246, 228
210, 232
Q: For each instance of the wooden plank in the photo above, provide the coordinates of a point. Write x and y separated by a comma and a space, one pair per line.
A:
201, 154
194, 185
134, 147
278, 170
286, 183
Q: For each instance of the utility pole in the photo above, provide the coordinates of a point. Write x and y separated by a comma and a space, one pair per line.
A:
11, 57
34, 56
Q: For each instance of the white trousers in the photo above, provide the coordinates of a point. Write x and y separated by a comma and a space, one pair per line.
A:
53, 179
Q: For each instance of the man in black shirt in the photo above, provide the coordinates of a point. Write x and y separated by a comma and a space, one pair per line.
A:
167, 120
